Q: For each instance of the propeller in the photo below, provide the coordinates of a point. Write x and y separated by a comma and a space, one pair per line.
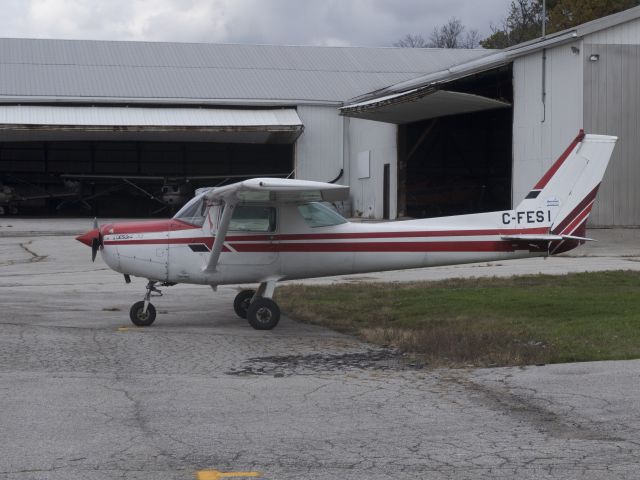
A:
96, 242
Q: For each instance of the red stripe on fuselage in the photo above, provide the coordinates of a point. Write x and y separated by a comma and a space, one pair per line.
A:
271, 243
388, 247
331, 236
369, 235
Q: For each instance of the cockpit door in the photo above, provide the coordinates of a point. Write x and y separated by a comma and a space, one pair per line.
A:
251, 236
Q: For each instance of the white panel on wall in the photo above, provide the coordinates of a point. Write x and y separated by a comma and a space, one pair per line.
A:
364, 167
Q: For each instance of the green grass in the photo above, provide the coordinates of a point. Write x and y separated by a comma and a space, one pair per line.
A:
502, 321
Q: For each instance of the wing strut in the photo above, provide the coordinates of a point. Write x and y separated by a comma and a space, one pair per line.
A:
221, 234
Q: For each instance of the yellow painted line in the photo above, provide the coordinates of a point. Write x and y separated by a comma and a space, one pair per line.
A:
216, 475
129, 329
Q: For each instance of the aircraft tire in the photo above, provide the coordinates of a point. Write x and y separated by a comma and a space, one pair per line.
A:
263, 314
242, 302
140, 319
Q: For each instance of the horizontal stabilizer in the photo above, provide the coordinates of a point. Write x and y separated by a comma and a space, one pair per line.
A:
533, 238
545, 238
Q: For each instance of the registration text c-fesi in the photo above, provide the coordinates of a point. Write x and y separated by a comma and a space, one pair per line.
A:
527, 217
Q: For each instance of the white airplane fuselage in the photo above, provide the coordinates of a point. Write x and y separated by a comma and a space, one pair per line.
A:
175, 251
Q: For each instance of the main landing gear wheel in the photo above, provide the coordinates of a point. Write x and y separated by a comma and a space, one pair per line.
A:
141, 318
263, 314
242, 302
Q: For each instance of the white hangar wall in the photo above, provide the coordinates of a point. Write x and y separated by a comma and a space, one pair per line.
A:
543, 130
611, 106
601, 96
331, 143
370, 146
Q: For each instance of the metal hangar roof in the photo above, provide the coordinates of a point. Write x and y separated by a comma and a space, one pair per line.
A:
34, 70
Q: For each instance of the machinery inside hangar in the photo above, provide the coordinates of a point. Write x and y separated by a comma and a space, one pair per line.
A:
134, 165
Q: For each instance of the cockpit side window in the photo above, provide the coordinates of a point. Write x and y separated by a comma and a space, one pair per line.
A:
318, 215
250, 218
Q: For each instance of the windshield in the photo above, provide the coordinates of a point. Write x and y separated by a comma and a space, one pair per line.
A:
193, 211
318, 215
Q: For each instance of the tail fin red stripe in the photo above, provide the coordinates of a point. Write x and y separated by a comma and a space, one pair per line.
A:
558, 163
576, 222
576, 211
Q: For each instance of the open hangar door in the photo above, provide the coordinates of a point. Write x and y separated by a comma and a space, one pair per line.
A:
457, 164
454, 144
134, 166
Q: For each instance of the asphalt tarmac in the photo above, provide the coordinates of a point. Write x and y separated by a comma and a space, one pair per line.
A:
200, 394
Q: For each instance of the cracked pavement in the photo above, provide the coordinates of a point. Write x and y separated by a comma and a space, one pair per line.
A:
83, 397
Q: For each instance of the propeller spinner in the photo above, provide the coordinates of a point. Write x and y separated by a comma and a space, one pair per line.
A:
93, 239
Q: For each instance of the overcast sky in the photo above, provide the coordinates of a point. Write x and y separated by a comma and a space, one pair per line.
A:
281, 22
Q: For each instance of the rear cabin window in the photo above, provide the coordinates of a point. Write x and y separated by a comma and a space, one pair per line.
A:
248, 218
318, 215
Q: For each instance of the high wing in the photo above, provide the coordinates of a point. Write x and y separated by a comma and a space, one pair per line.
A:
279, 190
276, 190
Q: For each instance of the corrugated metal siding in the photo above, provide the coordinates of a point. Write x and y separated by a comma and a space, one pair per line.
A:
611, 105
319, 152
64, 68
541, 135
627, 33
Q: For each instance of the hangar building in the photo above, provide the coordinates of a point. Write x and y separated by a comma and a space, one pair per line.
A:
123, 118
441, 131
586, 77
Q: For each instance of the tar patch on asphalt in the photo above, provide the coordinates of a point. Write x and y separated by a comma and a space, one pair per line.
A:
280, 366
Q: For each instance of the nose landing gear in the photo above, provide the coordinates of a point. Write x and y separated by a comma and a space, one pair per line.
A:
143, 313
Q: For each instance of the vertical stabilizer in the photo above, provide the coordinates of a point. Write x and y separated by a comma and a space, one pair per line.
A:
568, 189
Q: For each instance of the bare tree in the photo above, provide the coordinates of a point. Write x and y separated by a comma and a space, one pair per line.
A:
452, 34
411, 41
471, 40
448, 35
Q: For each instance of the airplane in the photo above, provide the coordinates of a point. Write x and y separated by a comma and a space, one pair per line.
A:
10, 198
174, 192
265, 230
